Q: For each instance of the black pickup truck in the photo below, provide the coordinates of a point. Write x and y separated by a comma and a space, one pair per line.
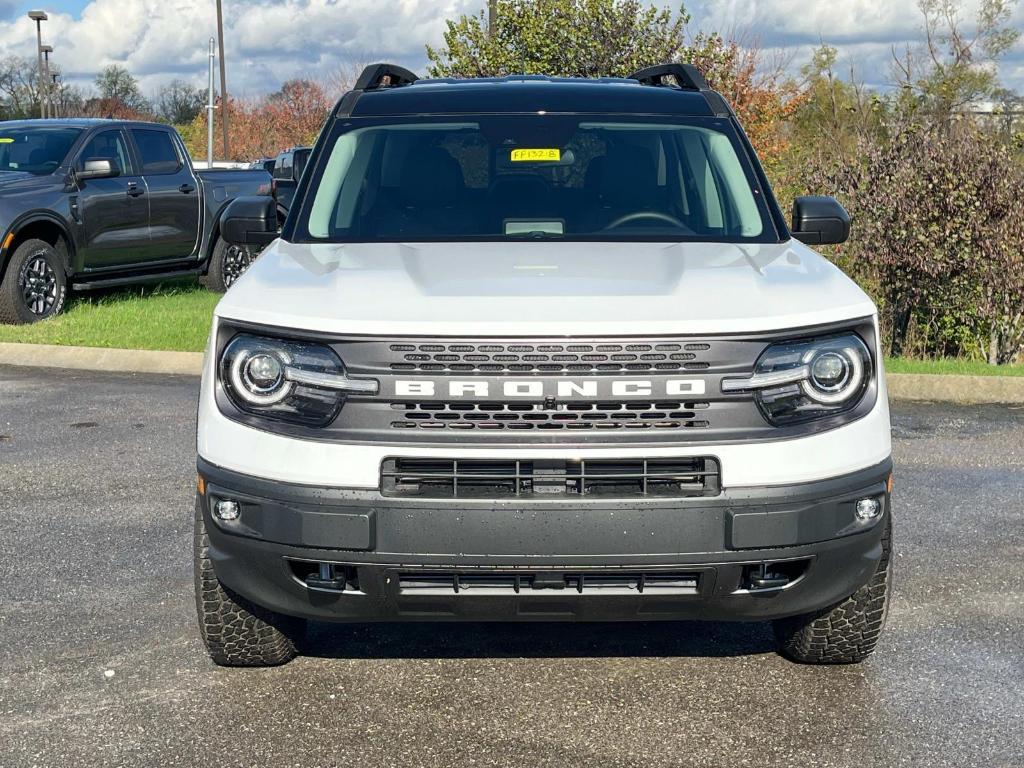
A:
287, 170
97, 203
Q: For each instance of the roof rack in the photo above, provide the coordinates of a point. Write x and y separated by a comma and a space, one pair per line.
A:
384, 76
687, 76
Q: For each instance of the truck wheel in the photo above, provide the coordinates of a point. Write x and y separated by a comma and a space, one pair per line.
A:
847, 632
34, 287
236, 632
227, 263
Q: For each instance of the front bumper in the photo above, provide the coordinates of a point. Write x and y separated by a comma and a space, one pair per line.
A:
635, 559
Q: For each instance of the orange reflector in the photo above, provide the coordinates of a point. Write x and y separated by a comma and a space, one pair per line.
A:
888, 484
7, 241
201, 485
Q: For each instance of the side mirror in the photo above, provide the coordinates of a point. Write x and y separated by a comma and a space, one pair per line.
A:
820, 220
99, 168
249, 220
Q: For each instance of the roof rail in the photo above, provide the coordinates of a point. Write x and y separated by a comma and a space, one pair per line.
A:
687, 76
384, 76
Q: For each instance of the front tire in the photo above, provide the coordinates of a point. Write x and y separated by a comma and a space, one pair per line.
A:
228, 262
237, 633
34, 286
847, 632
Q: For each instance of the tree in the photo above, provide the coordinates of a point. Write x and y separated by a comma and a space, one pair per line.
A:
19, 88
263, 127
178, 102
119, 94
954, 69
614, 38
581, 38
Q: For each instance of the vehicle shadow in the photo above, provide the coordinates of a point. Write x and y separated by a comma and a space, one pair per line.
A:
536, 640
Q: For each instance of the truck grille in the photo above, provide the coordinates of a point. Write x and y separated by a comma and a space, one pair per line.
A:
576, 416
569, 358
545, 478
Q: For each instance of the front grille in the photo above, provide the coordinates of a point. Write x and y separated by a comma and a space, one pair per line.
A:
546, 478
582, 582
572, 358
568, 416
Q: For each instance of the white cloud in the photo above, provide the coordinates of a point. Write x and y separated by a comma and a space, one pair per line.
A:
864, 31
266, 42
270, 41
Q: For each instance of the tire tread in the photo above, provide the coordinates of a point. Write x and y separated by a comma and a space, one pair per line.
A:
237, 633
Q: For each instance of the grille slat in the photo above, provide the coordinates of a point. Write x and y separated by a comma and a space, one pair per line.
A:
628, 415
494, 479
547, 358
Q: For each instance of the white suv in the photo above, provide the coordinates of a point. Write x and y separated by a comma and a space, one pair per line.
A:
541, 349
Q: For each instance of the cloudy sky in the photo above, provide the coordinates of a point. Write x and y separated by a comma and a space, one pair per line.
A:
269, 41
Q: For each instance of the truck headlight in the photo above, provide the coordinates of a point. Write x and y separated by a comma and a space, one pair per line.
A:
293, 381
799, 381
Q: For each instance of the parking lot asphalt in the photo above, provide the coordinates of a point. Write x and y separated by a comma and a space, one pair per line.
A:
101, 663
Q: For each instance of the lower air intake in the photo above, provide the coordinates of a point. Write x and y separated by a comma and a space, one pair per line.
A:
546, 478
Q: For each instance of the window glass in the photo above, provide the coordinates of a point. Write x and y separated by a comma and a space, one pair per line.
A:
107, 145
35, 150
536, 176
157, 151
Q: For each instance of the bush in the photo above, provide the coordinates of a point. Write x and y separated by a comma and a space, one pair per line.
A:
937, 237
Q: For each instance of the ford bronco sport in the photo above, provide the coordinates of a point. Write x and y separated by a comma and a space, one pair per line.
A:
541, 349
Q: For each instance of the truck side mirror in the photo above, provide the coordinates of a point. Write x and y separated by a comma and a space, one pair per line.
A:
249, 220
99, 168
820, 220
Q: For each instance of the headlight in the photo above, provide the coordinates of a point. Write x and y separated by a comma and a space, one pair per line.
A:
292, 381
799, 381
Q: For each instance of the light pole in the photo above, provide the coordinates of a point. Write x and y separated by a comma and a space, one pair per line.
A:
39, 17
47, 93
223, 82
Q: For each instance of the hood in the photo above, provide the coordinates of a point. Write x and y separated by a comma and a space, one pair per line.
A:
13, 177
543, 288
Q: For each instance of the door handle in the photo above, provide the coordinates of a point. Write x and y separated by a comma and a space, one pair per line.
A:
186, 188
134, 191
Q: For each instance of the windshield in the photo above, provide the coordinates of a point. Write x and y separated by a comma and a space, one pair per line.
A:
35, 150
535, 176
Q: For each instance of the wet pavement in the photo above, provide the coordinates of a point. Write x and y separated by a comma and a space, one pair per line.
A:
101, 664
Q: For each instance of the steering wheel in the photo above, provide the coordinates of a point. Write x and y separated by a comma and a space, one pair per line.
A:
654, 215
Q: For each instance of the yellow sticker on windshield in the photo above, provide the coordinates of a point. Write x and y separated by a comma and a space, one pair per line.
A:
536, 155
5, 140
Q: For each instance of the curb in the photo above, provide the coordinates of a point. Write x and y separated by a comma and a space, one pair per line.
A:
955, 388
101, 359
902, 386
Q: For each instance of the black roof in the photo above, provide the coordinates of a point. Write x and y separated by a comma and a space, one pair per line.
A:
530, 93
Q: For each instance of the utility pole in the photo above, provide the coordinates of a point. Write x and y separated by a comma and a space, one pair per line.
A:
47, 92
492, 18
39, 17
55, 94
223, 82
210, 107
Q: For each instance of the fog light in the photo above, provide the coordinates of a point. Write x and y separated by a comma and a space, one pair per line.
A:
868, 509
228, 510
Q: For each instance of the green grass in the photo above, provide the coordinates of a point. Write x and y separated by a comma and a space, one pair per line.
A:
965, 367
174, 316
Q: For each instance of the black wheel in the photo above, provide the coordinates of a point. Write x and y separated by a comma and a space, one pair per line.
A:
227, 263
34, 286
236, 632
847, 632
